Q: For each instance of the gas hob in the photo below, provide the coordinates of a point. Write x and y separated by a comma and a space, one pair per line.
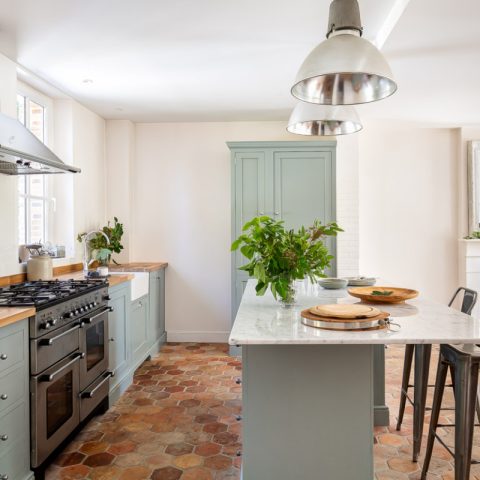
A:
42, 294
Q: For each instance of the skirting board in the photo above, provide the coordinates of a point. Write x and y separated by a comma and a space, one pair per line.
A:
189, 336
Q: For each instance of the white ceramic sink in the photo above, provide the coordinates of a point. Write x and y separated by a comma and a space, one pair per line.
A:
139, 283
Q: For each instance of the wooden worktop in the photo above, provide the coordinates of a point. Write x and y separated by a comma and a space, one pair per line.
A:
138, 267
10, 315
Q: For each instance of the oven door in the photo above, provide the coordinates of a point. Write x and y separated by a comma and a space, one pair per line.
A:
54, 346
94, 344
55, 408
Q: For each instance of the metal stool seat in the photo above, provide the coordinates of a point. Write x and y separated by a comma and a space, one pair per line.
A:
465, 361
422, 354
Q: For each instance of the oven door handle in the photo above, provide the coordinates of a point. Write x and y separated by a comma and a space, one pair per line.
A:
50, 341
91, 319
91, 393
51, 377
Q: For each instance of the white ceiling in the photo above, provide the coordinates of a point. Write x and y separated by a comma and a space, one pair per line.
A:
207, 60
434, 51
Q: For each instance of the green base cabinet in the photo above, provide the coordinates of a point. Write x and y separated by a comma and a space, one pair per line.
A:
120, 352
136, 330
156, 324
14, 402
140, 321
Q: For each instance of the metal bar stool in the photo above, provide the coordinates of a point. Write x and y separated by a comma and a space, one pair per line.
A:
422, 355
465, 360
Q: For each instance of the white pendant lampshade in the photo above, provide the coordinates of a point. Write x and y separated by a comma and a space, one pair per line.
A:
323, 120
345, 69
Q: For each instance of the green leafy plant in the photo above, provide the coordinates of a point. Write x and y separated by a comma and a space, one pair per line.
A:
102, 250
475, 235
277, 257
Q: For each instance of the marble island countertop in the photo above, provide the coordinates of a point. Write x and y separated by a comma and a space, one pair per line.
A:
262, 321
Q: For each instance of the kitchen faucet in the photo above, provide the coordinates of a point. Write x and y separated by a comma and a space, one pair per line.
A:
86, 263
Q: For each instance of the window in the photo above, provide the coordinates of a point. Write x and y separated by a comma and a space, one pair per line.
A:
32, 189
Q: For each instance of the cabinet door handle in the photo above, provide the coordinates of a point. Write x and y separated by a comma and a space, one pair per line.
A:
4, 438
261, 213
3, 356
111, 339
3, 396
277, 213
4, 477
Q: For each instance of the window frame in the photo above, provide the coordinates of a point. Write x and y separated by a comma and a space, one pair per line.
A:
31, 95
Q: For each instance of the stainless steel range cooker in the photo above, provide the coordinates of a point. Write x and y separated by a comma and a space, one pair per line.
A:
68, 357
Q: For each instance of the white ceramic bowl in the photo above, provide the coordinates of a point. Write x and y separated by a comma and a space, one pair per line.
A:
333, 283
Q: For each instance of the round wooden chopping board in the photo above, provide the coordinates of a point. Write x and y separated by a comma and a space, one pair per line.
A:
345, 324
345, 311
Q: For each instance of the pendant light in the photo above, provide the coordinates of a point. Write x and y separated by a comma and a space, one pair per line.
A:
323, 120
345, 69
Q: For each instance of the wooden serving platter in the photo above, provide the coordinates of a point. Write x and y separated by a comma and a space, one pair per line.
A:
345, 311
344, 324
398, 295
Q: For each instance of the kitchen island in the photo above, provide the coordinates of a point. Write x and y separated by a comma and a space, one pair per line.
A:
308, 393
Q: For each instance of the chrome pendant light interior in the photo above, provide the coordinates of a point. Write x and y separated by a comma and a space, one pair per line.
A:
323, 120
345, 69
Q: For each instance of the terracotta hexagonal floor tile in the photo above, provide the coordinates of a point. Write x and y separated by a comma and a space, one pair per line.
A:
218, 462
129, 459
188, 461
197, 473
215, 427
135, 473
225, 438
166, 473
93, 447
67, 459
208, 449
110, 472
391, 439
99, 459
403, 464
74, 472
206, 418
177, 449
121, 448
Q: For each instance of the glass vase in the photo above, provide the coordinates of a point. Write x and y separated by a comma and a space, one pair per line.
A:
290, 297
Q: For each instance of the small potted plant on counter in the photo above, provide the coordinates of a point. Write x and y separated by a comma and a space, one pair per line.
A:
277, 257
104, 242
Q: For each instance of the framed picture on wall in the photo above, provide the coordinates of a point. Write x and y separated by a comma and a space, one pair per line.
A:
473, 174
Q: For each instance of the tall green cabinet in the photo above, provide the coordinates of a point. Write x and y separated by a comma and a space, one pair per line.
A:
290, 181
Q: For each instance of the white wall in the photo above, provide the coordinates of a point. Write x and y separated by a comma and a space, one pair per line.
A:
120, 158
409, 206
8, 185
79, 139
181, 205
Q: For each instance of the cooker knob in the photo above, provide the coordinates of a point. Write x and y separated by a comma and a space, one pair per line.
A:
53, 321
46, 325
82, 309
91, 305
76, 311
69, 315
94, 304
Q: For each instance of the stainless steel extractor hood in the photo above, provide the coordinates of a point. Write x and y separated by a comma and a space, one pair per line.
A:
22, 153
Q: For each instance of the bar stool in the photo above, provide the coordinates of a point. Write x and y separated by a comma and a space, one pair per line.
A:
465, 360
422, 355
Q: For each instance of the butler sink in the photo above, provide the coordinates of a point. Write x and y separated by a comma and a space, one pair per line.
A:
139, 283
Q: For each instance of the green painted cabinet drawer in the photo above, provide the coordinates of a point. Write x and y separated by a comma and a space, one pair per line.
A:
14, 463
13, 427
12, 388
12, 346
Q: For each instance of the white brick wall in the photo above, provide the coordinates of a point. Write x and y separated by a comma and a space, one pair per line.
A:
347, 206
